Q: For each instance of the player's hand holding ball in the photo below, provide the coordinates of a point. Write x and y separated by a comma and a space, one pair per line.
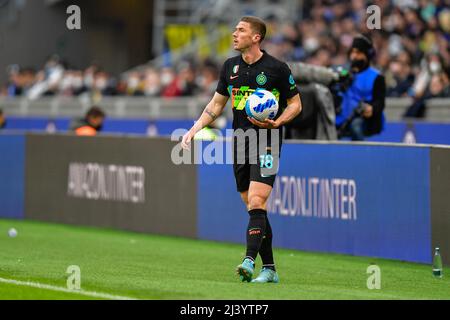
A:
261, 108
266, 124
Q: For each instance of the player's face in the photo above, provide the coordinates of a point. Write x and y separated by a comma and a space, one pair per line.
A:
244, 37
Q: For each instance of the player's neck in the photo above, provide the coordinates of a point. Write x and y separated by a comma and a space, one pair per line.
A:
252, 55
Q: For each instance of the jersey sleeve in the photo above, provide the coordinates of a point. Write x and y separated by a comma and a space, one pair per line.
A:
222, 85
287, 84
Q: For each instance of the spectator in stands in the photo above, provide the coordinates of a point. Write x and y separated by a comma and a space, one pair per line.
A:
20, 80
439, 87
14, 87
2, 120
134, 84
432, 64
208, 79
104, 84
151, 83
187, 80
91, 124
77, 83
88, 77
410, 31
182, 84
431, 82
399, 76
48, 79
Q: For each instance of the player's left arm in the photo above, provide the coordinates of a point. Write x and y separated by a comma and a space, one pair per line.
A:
293, 109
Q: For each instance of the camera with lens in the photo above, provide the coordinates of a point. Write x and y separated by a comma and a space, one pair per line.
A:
337, 79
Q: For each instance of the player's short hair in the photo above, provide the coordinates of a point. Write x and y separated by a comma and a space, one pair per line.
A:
257, 24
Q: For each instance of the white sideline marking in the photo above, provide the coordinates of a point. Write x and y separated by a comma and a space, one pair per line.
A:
62, 289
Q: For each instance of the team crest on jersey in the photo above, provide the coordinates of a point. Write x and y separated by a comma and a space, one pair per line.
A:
261, 79
236, 68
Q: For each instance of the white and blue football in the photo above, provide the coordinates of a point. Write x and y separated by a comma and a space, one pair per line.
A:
261, 105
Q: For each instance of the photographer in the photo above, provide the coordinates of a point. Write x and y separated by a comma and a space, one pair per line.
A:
360, 113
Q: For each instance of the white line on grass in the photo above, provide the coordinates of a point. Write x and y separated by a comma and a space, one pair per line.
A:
62, 289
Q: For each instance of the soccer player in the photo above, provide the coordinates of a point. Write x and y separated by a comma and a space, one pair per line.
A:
240, 76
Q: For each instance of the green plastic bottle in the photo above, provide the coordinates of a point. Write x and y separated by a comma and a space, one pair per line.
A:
437, 264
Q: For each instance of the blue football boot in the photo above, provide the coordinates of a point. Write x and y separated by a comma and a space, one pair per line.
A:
267, 275
245, 270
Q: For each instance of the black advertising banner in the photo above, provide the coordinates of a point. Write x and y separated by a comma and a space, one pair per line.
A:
118, 182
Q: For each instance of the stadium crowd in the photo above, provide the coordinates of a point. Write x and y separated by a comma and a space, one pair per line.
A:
55, 78
413, 52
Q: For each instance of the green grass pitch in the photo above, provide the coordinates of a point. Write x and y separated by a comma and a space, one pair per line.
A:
155, 267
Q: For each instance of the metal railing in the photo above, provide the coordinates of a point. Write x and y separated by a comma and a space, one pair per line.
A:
438, 110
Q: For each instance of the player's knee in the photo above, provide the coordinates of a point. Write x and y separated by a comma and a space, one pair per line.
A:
256, 202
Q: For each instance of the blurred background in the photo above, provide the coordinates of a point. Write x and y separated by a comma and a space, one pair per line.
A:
151, 65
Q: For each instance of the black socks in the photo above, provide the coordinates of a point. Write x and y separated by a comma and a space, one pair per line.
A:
259, 238
265, 251
255, 232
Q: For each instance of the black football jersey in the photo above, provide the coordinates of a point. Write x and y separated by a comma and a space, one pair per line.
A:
239, 80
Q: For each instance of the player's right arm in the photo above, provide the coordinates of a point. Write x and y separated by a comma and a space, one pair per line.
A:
213, 109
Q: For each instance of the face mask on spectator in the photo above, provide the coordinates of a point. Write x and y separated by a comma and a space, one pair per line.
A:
166, 78
101, 83
66, 83
311, 44
88, 80
359, 64
133, 83
435, 67
77, 82
151, 91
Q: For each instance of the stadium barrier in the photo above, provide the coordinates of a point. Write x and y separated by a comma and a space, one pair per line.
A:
123, 183
409, 132
173, 108
365, 199
12, 176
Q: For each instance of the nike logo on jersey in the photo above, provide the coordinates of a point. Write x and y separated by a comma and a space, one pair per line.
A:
233, 77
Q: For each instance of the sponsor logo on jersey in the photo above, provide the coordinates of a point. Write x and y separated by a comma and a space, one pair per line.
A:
236, 68
240, 95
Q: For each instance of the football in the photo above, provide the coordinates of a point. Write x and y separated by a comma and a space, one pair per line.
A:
261, 105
